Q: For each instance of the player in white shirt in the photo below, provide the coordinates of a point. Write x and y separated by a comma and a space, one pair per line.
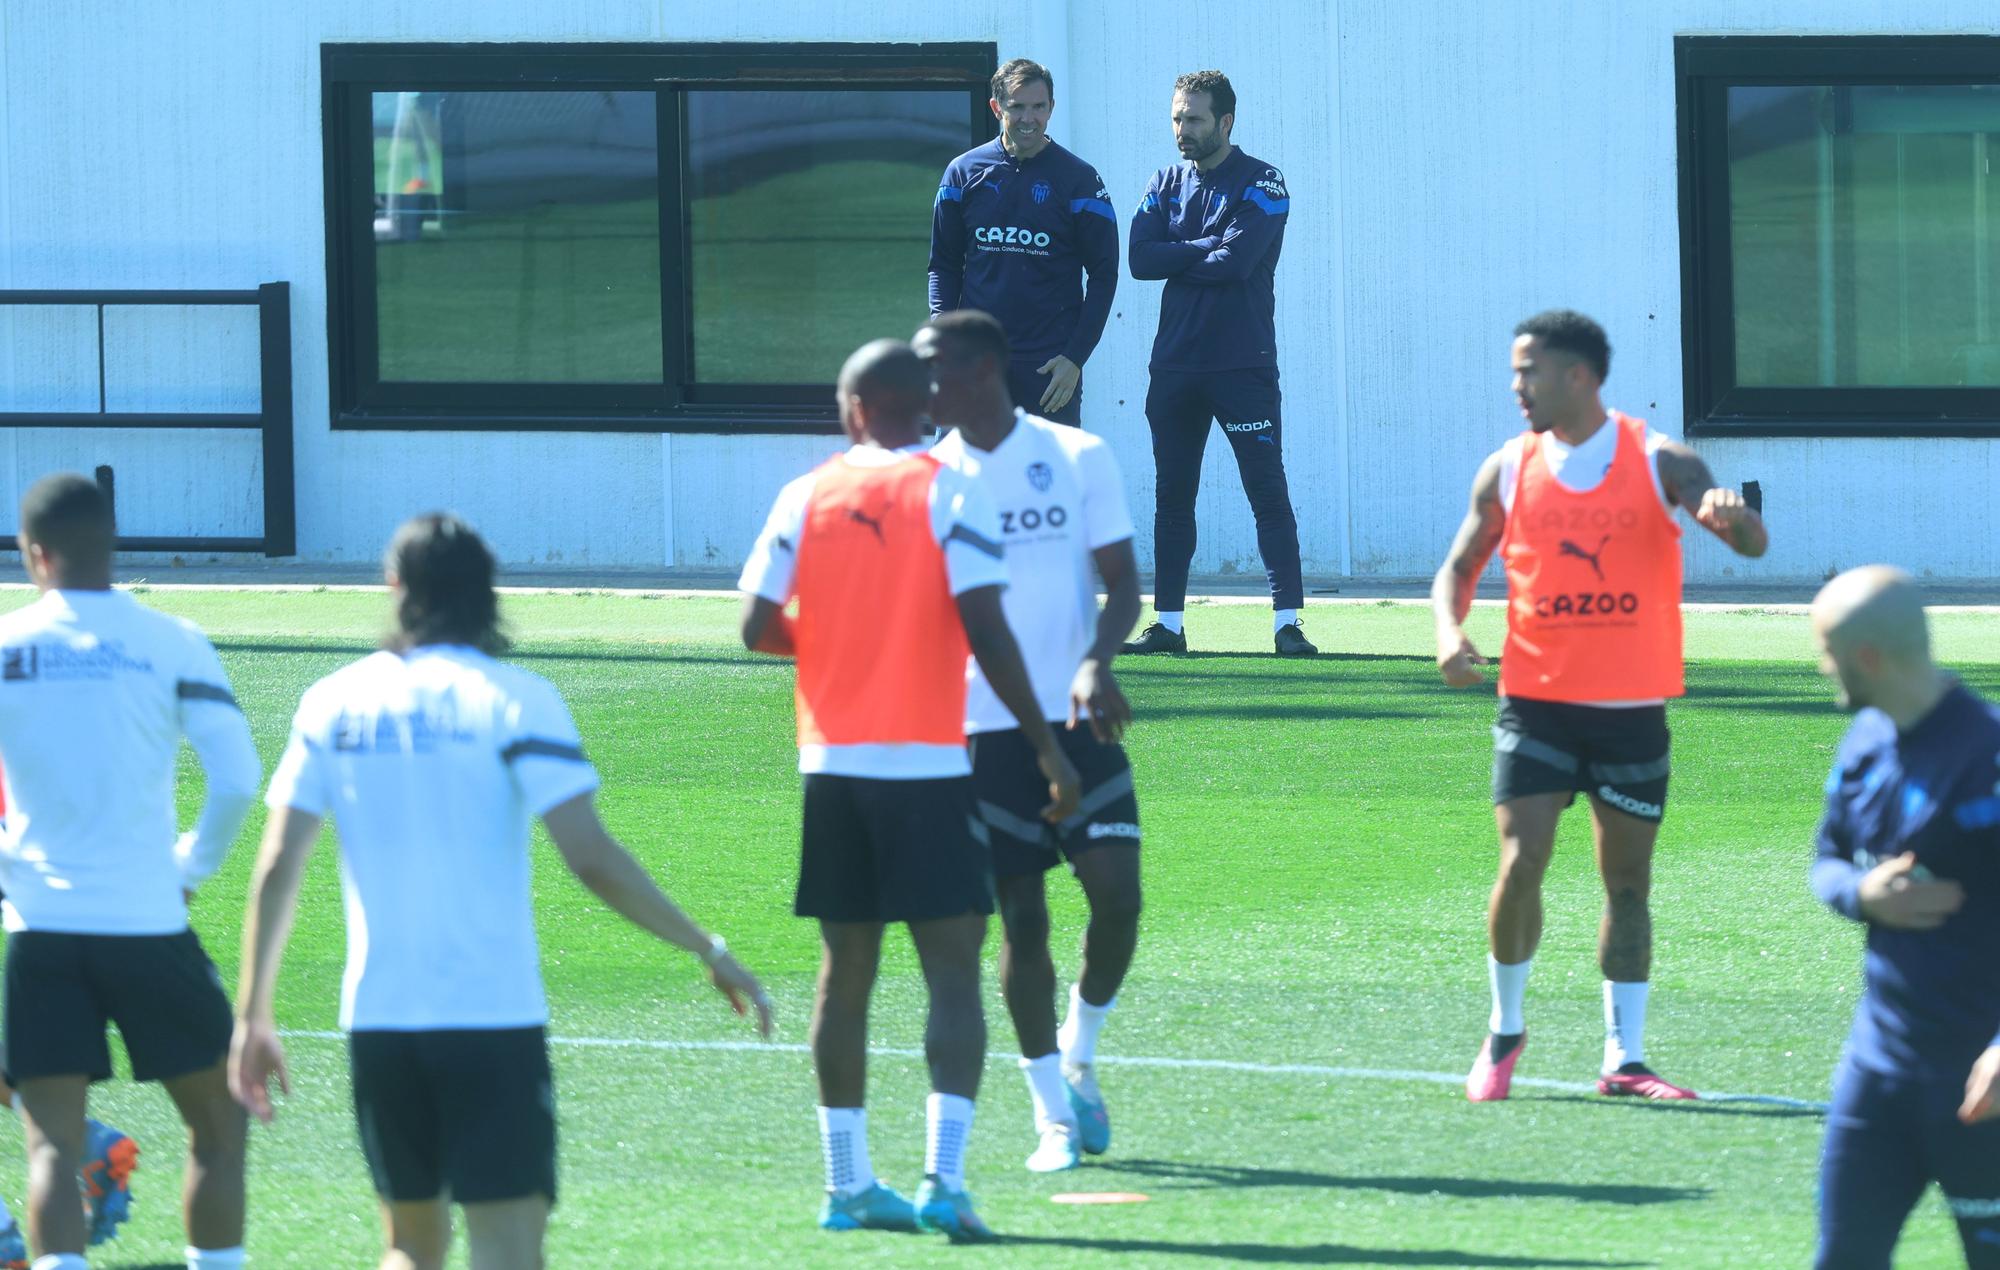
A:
96, 692
1064, 523
431, 757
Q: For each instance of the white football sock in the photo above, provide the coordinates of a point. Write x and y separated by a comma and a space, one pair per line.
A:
843, 1144
1078, 1035
1283, 618
948, 1118
1046, 1088
1624, 1024
1172, 621
1510, 988
60, 1261
214, 1258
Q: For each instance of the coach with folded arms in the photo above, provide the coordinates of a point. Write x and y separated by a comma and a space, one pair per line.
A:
1018, 223
1212, 226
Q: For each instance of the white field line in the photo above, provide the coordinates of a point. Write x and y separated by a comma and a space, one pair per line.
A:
1172, 1064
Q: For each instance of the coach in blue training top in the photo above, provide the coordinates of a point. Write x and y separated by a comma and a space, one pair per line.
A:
1212, 226
1017, 223
1911, 847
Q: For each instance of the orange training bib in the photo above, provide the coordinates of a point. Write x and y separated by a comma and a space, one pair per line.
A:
1593, 582
881, 649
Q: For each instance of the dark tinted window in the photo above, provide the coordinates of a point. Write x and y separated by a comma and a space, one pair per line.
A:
1864, 224
809, 218
517, 236
1840, 234
628, 237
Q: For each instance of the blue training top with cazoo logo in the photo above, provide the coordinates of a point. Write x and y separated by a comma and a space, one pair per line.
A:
1016, 239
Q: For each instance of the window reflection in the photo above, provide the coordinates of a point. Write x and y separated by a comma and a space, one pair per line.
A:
1863, 224
809, 223
517, 237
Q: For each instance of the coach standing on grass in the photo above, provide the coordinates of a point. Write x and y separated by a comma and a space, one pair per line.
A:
1910, 848
1212, 226
1017, 223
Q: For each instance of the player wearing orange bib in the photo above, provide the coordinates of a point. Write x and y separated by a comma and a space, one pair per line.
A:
896, 563
1580, 508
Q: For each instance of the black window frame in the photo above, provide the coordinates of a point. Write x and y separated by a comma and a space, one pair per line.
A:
350, 74
1705, 68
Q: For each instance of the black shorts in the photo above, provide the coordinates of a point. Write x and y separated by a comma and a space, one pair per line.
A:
161, 990
891, 850
1012, 792
466, 1113
1618, 755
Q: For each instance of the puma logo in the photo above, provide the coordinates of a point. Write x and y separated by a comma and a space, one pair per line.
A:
1569, 548
860, 517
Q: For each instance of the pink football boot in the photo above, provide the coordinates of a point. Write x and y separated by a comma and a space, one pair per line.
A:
1490, 1077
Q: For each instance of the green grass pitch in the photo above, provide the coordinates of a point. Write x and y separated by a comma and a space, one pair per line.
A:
1318, 851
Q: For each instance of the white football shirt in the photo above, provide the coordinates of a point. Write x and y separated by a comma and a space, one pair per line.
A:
96, 692
1060, 498
431, 765
965, 525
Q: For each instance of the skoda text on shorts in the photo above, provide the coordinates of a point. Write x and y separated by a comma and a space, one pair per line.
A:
1580, 507
1213, 226
1064, 524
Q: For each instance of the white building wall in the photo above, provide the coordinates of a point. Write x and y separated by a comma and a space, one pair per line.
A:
1453, 164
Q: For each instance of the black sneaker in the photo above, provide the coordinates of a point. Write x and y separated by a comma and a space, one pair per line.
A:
1291, 641
1158, 639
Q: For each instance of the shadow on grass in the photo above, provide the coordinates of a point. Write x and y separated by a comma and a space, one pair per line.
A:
1182, 1176
1698, 1107
1298, 1254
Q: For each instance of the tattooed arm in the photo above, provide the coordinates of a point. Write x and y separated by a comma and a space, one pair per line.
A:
1720, 510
